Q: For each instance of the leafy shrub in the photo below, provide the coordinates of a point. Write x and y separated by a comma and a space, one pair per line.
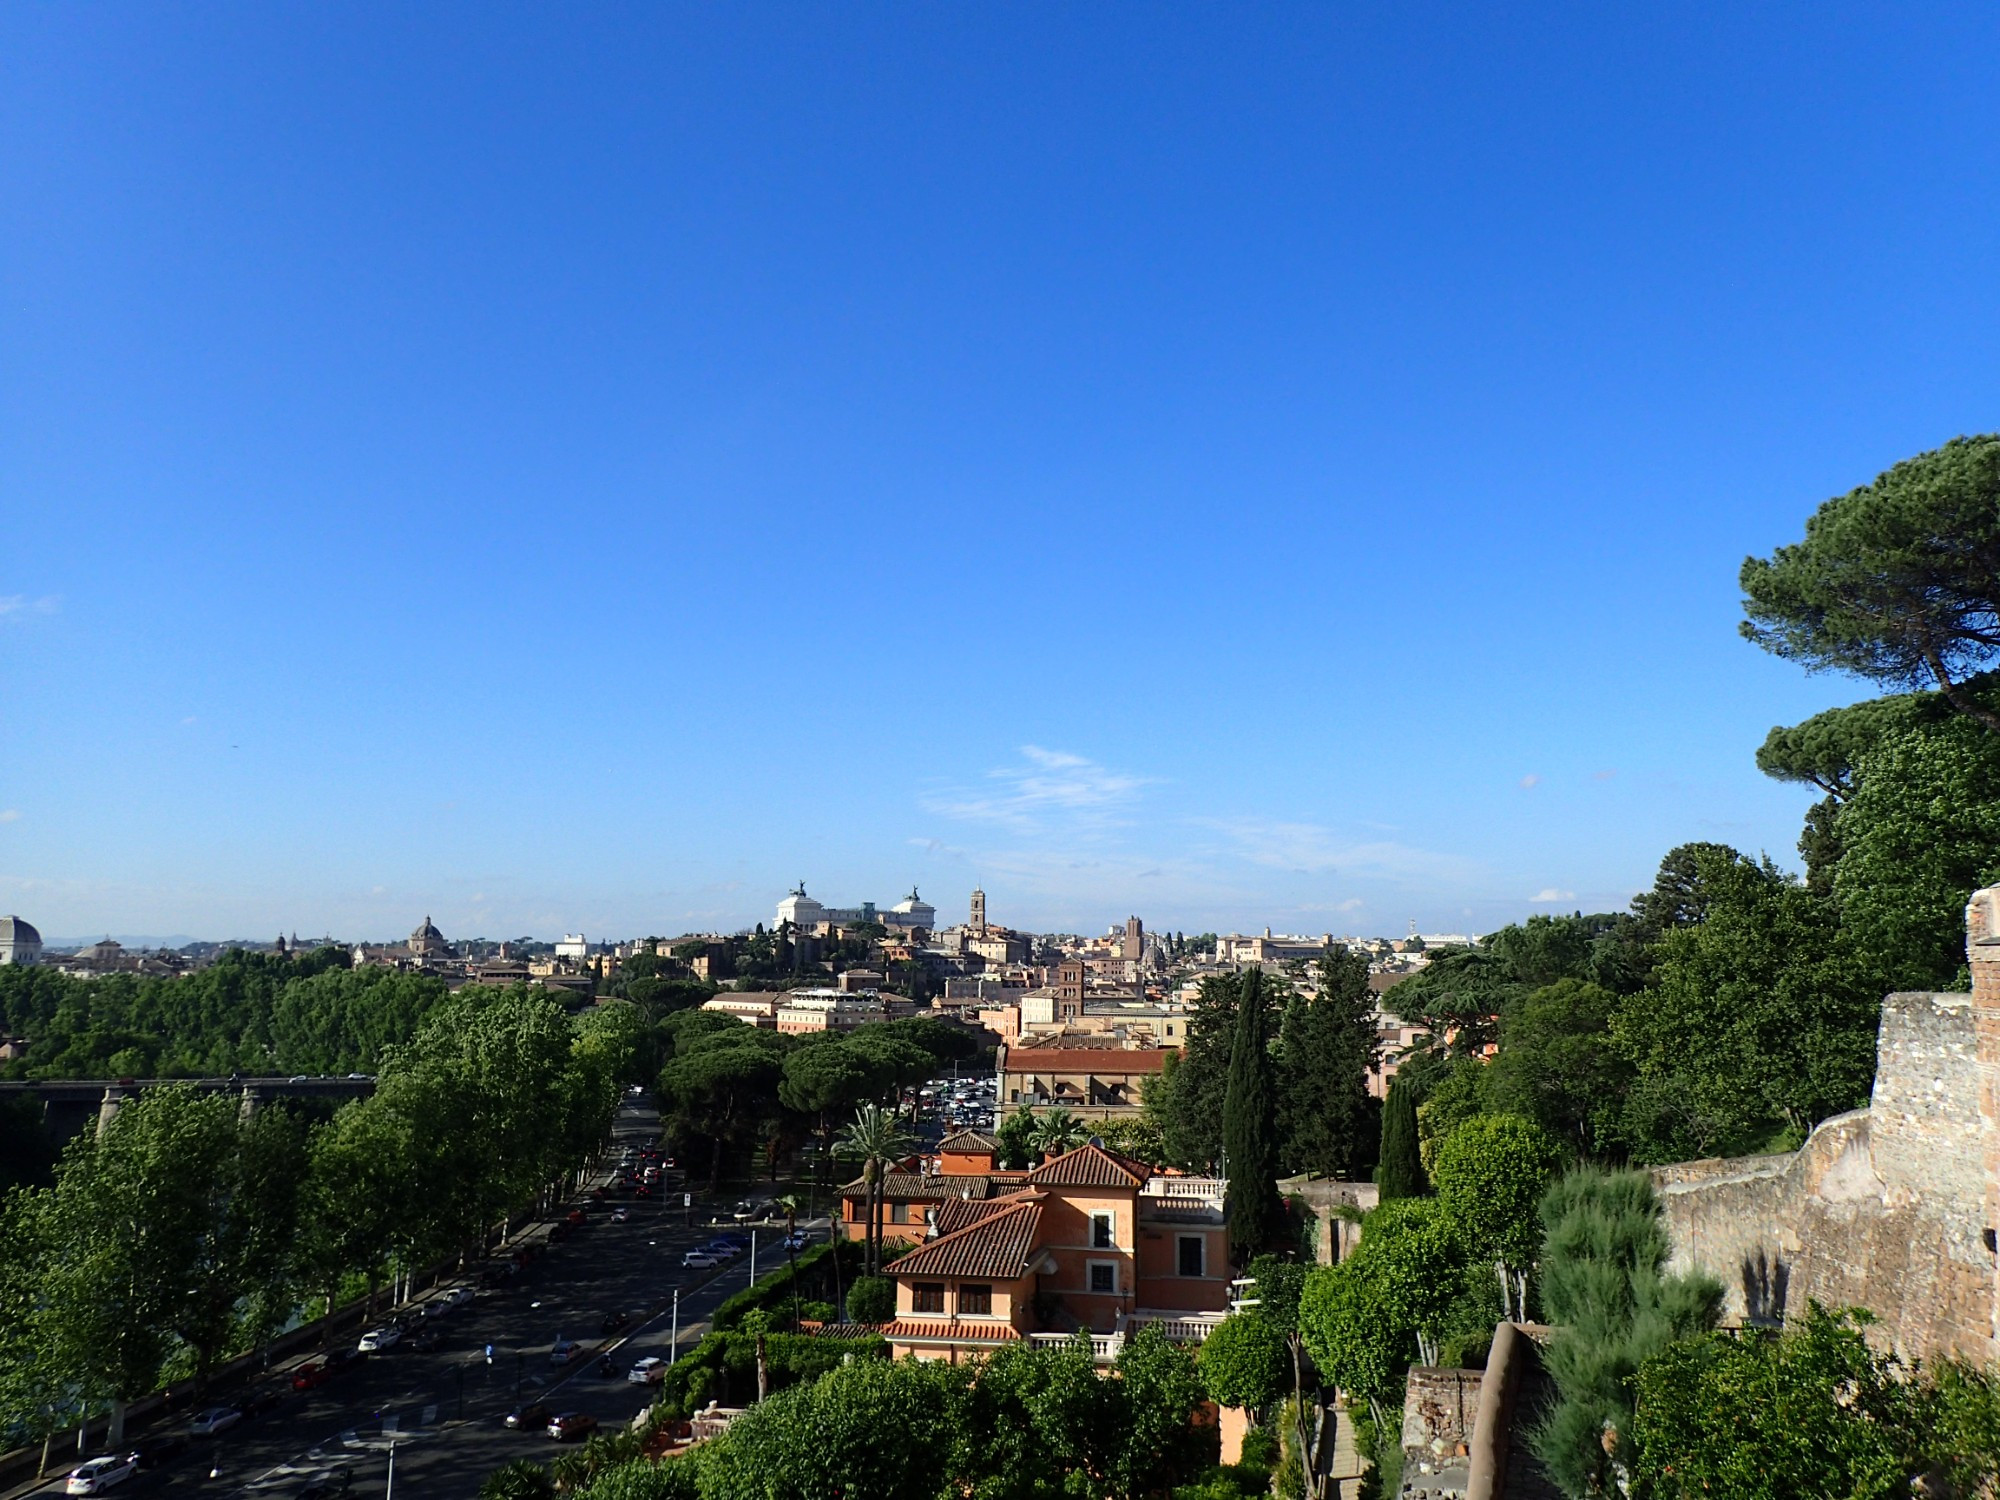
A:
872, 1299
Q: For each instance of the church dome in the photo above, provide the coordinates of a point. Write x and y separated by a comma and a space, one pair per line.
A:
16, 930
427, 933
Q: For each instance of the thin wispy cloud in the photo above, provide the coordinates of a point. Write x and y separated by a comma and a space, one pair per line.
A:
1530, 780
1050, 784
19, 606
1311, 849
1549, 893
10, 814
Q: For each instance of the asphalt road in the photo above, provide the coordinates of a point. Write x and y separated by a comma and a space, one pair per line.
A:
350, 1423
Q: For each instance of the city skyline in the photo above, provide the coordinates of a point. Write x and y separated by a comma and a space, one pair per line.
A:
1280, 470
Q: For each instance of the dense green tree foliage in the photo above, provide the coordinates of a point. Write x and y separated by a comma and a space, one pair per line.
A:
1328, 1124
1753, 1022
1897, 582
1401, 1173
1918, 834
1025, 1423
1604, 1284
1812, 1411
1250, 1126
1366, 1319
255, 1013
1244, 1361
1559, 1066
185, 1231
1491, 1174
1186, 1100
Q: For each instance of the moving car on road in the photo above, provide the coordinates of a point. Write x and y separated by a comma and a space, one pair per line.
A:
215, 1419
457, 1296
649, 1371
568, 1425
101, 1474
530, 1417
375, 1340
563, 1351
700, 1260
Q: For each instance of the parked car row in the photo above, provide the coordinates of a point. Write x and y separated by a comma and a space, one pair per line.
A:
718, 1251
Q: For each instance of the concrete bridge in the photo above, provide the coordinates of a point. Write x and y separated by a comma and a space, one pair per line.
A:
69, 1105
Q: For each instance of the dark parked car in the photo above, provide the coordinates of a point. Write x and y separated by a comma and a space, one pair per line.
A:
425, 1340
327, 1487
155, 1451
529, 1418
613, 1321
343, 1359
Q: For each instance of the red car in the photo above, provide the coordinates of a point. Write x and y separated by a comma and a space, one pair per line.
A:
575, 1216
310, 1374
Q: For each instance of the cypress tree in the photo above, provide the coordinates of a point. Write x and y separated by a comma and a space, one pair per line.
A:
1401, 1173
1250, 1127
1327, 1121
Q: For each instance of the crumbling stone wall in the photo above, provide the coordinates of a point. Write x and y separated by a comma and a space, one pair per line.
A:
1889, 1207
1440, 1409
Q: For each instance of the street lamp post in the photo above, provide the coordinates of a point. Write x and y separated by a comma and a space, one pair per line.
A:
674, 1350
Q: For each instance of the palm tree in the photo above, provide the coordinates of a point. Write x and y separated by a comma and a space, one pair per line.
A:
879, 1139
1059, 1131
788, 1204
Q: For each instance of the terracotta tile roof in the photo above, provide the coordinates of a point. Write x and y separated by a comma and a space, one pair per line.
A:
938, 1187
964, 1333
955, 1213
1086, 1060
1090, 1166
996, 1246
969, 1142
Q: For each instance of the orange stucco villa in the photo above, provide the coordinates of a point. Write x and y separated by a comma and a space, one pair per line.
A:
1088, 1240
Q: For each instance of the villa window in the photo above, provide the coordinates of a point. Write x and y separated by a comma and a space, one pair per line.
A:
975, 1301
1104, 1277
1103, 1229
926, 1297
1192, 1247
899, 1213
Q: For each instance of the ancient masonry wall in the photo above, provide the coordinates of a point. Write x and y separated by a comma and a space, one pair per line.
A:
1890, 1207
1440, 1408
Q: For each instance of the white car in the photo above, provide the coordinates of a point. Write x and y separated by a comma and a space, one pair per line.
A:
620, 1216
214, 1420
377, 1339
649, 1371
101, 1474
699, 1260
458, 1296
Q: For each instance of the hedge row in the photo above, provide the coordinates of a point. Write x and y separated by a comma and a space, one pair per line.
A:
723, 1367
813, 1271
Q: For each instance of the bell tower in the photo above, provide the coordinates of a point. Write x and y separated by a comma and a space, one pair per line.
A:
977, 921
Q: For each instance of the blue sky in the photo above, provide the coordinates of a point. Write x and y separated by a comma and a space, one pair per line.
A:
591, 467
